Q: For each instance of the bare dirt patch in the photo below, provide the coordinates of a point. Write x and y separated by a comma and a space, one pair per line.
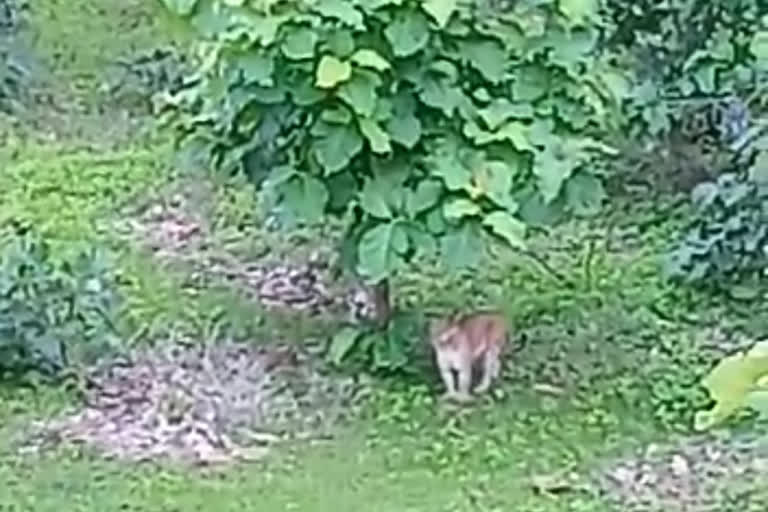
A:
191, 403
177, 229
696, 475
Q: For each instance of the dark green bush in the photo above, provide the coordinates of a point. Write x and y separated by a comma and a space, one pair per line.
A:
52, 312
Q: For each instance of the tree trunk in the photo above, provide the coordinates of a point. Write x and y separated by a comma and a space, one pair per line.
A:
382, 304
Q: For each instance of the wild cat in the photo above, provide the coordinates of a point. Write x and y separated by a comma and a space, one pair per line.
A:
462, 342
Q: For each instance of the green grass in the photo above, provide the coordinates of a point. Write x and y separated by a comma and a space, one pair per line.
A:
403, 457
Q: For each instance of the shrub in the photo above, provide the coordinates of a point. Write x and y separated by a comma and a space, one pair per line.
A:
50, 308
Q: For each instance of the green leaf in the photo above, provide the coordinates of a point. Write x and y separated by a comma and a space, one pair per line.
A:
181, 7
300, 44
440, 94
360, 92
552, 170
408, 33
579, 10
495, 181
331, 71
584, 194
335, 146
425, 196
531, 83
378, 138
305, 195
759, 47
501, 109
374, 199
405, 130
463, 246
379, 250
440, 10
370, 59
488, 57
455, 174
256, 68
342, 343
340, 42
730, 383
459, 208
341, 10
513, 131
507, 227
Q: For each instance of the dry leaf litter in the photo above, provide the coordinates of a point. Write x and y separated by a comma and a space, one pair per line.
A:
222, 403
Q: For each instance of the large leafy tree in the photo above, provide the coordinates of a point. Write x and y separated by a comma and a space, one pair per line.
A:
434, 126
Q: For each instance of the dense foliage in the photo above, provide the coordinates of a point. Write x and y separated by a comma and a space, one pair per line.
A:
50, 308
434, 123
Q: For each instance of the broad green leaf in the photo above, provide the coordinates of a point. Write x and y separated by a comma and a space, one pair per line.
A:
331, 71
531, 83
584, 194
405, 130
488, 57
181, 7
342, 343
305, 195
340, 42
501, 109
459, 208
408, 33
306, 94
342, 187
507, 227
359, 92
513, 131
378, 138
280, 175
379, 250
759, 47
536, 212
552, 170
730, 382
454, 173
256, 68
579, 10
370, 59
440, 10
342, 10
336, 114
425, 196
494, 180
300, 44
422, 241
438, 93
374, 199
463, 246
335, 146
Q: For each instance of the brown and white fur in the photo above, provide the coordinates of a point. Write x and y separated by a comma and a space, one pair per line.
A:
460, 343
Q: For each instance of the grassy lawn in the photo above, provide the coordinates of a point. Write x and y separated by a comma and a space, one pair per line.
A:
624, 376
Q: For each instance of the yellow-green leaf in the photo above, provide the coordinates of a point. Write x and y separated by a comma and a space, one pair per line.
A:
331, 72
460, 208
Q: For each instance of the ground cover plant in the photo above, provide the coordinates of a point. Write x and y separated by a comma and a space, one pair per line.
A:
461, 154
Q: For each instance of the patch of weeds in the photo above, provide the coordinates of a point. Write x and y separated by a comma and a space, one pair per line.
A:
69, 195
81, 38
